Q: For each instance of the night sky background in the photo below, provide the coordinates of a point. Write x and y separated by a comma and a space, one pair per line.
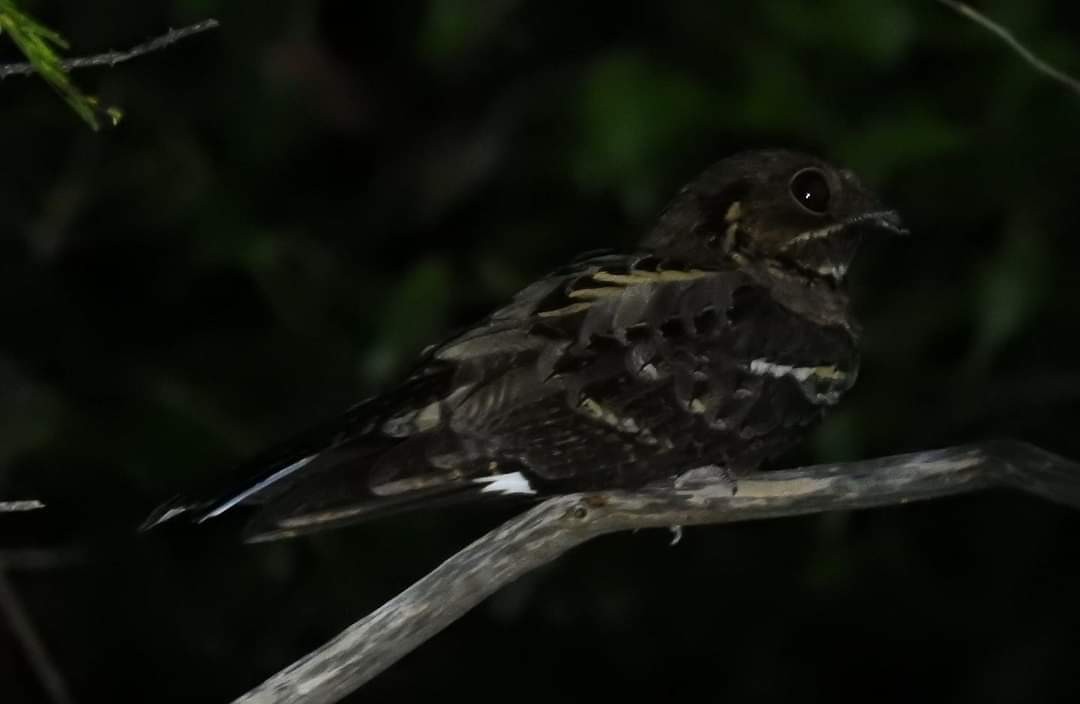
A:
298, 202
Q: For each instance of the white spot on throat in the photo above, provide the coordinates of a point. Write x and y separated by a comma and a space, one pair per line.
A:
510, 483
814, 234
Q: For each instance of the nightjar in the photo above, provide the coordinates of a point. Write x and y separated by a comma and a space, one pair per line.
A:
717, 343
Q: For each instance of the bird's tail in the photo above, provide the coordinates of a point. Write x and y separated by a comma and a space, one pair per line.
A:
334, 475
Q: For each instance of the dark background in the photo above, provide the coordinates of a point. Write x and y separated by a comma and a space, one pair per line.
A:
296, 203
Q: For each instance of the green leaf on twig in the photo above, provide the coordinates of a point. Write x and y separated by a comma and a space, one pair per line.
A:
39, 43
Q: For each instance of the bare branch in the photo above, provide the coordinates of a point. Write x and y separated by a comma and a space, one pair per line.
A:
1006, 36
540, 535
111, 58
24, 505
22, 628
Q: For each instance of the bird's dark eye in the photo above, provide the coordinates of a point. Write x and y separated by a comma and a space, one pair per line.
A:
810, 190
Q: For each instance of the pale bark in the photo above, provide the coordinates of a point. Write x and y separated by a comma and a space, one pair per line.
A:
540, 535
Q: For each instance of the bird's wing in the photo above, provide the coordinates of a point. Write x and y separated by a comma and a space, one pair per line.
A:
601, 374
645, 368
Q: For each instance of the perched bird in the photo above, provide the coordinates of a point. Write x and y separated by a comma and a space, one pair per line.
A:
716, 344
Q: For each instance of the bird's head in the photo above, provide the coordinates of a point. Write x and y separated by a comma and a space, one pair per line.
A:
773, 205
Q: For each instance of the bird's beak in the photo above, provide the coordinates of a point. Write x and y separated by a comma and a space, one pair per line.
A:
881, 221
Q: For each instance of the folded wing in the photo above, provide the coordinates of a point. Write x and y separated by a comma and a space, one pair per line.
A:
612, 372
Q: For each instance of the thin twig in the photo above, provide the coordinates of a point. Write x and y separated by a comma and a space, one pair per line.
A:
33, 646
111, 58
1006, 36
540, 535
23, 505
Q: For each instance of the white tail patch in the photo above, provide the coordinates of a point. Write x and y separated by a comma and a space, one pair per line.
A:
259, 486
511, 483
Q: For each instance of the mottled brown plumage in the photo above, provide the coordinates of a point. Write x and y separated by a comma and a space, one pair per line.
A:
718, 343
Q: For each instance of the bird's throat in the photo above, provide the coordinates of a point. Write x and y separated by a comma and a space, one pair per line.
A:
805, 291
